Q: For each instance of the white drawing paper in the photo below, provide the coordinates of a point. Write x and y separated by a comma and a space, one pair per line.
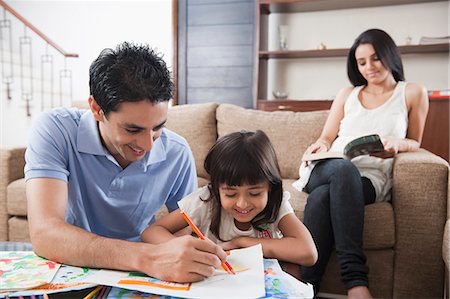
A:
247, 283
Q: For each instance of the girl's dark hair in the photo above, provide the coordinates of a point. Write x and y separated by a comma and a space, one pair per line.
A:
238, 159
130, 73
386, 51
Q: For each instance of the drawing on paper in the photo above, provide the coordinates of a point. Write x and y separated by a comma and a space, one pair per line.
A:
24, 269
68, 278
247, 283
136, 278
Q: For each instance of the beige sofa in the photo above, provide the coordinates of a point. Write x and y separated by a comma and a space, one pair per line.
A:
403, 239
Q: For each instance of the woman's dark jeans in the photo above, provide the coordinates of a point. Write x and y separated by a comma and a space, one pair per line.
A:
334, 214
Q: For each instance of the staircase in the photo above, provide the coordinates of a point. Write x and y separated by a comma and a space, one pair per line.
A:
34, 76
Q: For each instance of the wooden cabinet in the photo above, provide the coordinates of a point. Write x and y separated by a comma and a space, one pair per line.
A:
293, 105
436, 133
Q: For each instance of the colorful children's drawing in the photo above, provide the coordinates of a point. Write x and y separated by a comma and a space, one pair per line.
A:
117, 293
278, 285
247, 283
24, 269
135, 278
68, 278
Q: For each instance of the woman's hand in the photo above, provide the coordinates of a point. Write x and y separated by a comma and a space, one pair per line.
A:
316, 147
392, 146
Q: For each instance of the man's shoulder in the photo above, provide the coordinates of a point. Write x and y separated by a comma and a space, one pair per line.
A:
61, 115
170, 136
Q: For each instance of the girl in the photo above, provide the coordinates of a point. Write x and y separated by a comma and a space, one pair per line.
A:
378, 102
244, 204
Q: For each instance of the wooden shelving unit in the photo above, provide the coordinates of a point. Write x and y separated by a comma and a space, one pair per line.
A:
295, 54
266, 7
289, 6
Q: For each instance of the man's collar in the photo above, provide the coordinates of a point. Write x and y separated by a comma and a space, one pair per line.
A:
158, 152
88, 137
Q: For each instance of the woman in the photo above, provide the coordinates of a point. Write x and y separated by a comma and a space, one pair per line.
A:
380, 102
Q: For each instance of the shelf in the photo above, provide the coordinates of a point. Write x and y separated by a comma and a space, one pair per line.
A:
411, 49
289, 6
294, 105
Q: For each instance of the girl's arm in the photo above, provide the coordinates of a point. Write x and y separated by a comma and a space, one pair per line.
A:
417, 102
164, 229
332, 124
296, 246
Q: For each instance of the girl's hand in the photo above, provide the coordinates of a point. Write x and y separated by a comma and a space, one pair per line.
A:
229, 245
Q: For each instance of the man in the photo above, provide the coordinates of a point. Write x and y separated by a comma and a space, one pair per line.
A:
96, 178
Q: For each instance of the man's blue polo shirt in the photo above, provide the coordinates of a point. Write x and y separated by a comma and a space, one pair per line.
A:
105, 199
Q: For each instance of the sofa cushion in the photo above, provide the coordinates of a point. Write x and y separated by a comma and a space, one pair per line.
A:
18, 229
16, 200
197, 124
290, 132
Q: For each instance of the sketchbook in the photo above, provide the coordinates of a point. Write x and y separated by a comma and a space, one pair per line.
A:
278, 284
247, 283
364, 145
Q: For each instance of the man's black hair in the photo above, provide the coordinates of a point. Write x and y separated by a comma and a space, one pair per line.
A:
130, 73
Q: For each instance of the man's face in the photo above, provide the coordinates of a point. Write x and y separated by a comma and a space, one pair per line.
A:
129, 132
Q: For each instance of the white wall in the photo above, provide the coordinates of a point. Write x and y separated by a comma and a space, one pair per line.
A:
85, 27
321, 78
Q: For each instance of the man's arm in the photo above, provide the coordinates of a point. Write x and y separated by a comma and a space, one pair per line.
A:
182, 259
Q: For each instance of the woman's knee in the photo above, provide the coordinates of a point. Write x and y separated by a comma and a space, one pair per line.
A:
319, 199
345, 172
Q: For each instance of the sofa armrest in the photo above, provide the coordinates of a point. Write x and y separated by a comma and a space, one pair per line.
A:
419, 198
12, 162
446, 249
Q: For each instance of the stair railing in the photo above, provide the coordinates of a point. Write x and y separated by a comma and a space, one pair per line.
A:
26, 63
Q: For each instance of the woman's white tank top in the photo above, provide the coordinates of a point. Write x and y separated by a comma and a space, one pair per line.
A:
388, 120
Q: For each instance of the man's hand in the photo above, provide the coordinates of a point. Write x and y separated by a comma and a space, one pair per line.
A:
183, 259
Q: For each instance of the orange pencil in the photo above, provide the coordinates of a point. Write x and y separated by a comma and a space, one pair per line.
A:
225, 265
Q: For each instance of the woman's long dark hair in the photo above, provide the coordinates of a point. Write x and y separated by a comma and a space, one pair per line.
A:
238, 159
386, 50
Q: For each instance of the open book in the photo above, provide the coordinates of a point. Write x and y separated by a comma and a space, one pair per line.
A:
364, 145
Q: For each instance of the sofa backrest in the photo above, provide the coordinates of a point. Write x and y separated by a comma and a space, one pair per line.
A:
290, 132
197, 124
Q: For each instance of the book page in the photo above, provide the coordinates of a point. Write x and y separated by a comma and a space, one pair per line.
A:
322, 156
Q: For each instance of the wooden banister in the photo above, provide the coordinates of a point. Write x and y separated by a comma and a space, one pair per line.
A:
37, 31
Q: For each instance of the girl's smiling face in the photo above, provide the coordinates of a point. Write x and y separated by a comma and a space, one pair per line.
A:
244, 202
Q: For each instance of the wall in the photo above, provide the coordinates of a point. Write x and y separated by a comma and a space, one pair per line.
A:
216, 51
321, 78
84, 27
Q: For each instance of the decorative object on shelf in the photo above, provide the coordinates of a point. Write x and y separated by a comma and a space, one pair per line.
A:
280, 94
282, 37
430, 40
408, 40
322, 46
